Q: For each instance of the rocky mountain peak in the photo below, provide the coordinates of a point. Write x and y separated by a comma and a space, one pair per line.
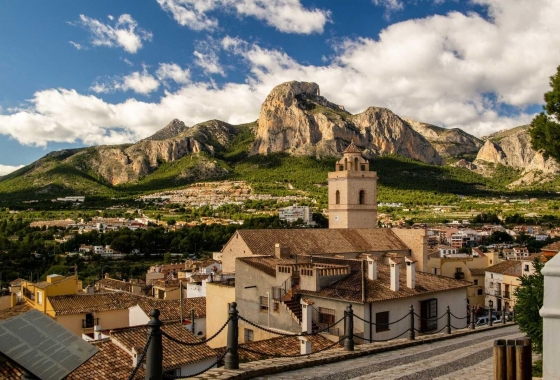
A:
296, 119
174, 128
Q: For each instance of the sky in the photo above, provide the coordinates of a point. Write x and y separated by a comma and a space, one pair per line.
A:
81, 73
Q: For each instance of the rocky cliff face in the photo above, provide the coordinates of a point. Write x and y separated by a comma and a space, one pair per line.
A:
294, 118
448, 142
513, 148
120, 164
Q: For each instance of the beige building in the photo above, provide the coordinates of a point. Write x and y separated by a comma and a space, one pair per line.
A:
219, 295
502, 279
352, 192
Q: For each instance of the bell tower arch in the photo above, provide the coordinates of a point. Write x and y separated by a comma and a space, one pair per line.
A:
352, 192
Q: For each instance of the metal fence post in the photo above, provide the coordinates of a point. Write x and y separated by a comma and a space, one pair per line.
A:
490, 316
472, 318
154, 355
411, 332
503, 315
448, 320
231, 359
513, 315
349, 329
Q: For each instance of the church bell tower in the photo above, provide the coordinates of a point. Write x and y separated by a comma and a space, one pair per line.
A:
352, 192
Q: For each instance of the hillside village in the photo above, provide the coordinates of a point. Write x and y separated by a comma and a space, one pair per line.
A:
283, 282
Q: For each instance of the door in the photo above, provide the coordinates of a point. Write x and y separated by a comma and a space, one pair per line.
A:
428, 314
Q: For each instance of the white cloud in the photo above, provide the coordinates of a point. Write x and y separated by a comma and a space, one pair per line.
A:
206, 57
438, 70
140, 82
287, 16
127, 61
125, 33
174, 72
76, 45
7, 169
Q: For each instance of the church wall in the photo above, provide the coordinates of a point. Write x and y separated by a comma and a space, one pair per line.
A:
417, 241
235, 247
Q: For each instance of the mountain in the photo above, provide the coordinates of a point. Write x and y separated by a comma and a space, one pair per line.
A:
295, 119
296, 127
452, 142
513, 148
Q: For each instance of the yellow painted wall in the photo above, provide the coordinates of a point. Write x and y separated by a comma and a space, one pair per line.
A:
107, 320
218, 296
68, 285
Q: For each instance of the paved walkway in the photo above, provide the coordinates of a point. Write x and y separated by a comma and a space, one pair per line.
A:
468, 357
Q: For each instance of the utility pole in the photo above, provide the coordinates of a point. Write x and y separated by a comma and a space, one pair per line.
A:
181, 300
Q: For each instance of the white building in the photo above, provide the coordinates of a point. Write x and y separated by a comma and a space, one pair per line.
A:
293, 213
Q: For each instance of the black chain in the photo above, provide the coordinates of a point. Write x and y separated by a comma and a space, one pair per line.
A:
384, 324
141, 357
458, 317
199, 372
381, 340
196, 343
291, 356
460, 328
430, 319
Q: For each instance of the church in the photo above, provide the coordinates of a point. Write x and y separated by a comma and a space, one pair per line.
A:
352, 232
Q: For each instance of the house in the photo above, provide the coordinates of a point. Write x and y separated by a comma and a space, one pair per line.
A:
84, 313
269, 290
219, 295
118, 354
170, 311
550, 250
166, 289
502, 279
36, 293
112, 285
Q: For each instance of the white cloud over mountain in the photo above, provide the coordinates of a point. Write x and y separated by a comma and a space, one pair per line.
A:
7, 169
454, 70
125, 33
288, 16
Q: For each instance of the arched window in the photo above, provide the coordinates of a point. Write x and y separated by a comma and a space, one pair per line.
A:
363, 168
362, 197
337, 197
345, 164
356, 166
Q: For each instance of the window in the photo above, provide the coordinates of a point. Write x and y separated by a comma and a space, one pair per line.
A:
276, 307
337, 196
341, 168
526, 267
326, 316
382, 321
476, 282
435, 270
363, 167
40, 298
362, 197
248, 335
263, 303
88, 322
356, 164
479, 292
428, 313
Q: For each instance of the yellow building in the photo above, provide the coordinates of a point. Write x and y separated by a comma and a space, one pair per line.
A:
464, 267
218, 297
35, 293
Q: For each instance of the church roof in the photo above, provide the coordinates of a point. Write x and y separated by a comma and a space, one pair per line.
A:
352, 148
322, 241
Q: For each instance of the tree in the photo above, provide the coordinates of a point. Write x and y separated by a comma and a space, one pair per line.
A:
545, 127
529, 297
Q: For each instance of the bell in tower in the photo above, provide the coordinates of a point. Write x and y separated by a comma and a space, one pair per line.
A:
352, 192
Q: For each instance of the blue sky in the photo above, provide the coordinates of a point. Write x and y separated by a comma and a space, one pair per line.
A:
76, 73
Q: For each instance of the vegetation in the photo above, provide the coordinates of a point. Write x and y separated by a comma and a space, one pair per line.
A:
530, 296
545, 127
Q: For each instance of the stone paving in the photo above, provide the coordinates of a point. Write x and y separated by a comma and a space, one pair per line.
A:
466, 357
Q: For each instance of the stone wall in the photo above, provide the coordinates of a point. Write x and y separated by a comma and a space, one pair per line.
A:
233, 249
417, 241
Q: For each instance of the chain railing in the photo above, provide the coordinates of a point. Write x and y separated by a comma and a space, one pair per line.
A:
153, 351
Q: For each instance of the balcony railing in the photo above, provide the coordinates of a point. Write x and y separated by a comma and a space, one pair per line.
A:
459, 275
28, 294
506, 294
89, 323
492, 292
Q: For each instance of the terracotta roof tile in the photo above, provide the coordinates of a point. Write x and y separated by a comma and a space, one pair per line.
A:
167, 284
352, 148
111, 283
13, 311
169, 309
552, 247
322, 241
87, 303
510, 267
174, 354
16, 282
9, 370
199, 277
278, 346
478, 271
110, 362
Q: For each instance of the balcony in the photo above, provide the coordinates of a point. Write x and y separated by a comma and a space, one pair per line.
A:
507, 294
459, 275
89, 323
493, 292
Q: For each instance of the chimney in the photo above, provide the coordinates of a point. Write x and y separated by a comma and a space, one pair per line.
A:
281, 252
395, 267
136, 355
372, 268
106, 275
410, 273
